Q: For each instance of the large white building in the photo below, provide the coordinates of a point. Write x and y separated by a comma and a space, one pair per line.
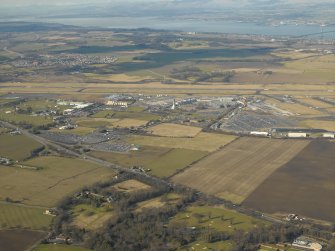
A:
328, 135
297, 135
117, 103
256, 133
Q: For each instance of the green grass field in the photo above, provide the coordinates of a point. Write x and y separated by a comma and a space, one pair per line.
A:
163, 162
17, 147
217, 218
202, 142
103, 114
136, 115
173, 161
78, 131
202, 245
134, 158
38, 105
134, 112
3, 130
272, 247
95, 122
18, 119
135, 109
158, 202
58, 177
90, 217
19, 216
58, 247
4, 101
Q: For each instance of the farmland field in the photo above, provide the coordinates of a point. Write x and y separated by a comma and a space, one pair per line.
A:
174, 130
118, 77
131, 113
328, 125
3, 130
163, 162
136, 115
130, 186
202, 142
17, 147
90, 217
78, 131
4, 101
152, 203
203, 245
315, 103
58, 178
174, 160
37, 104
217, 218
20, 216
127, 123
134, 158
95, 122
58, 247
167, 199
294, 108
9, 239
17, 118
304, 186
235, 171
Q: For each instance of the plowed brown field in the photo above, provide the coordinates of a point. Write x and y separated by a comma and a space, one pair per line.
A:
237, 170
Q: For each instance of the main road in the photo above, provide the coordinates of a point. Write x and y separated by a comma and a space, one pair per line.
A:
61, 149
64, 150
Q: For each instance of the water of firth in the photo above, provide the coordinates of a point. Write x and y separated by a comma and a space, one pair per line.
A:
201, 26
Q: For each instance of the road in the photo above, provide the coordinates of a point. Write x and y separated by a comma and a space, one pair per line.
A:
118, 168
61, 149
14, 52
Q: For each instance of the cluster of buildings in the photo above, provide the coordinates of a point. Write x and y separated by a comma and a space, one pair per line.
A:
51, 212
292, 134
5, 161
68, 127
64, 60
327, 135
140, 169
307, 244
120, 100
94, 196
117, 103
293, 218
74, 105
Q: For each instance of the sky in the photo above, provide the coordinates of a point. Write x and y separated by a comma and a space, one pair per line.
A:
48, 2
204, 2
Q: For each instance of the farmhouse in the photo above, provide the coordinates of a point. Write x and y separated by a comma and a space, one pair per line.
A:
51, 211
